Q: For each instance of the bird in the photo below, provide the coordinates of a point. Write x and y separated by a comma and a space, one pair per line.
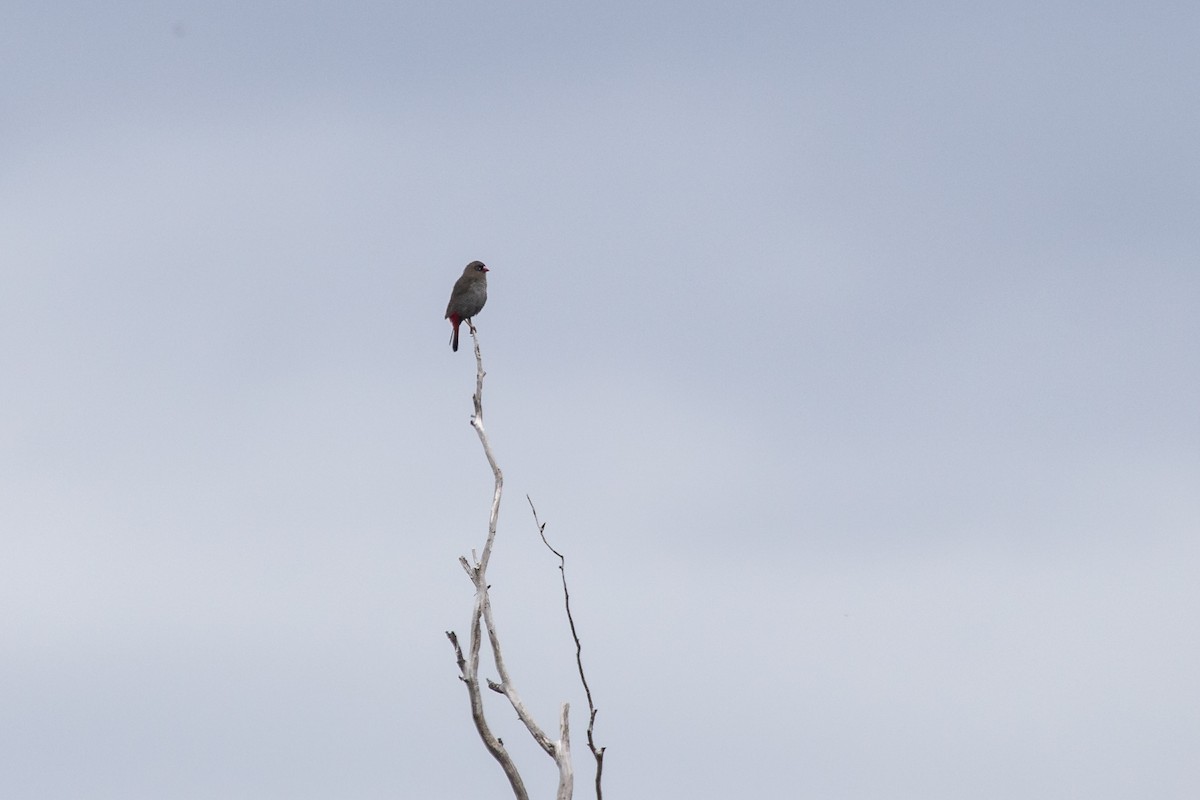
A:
467, 297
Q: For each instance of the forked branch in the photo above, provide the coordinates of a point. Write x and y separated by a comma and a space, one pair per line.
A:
481, 616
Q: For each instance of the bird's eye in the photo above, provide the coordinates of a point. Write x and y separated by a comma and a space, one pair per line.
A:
480, 268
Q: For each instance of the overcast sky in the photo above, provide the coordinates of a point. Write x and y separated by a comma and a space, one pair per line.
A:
848, 350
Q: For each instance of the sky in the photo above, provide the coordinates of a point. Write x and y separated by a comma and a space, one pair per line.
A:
847, 350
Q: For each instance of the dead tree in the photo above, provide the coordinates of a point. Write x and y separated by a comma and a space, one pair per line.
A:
481, 617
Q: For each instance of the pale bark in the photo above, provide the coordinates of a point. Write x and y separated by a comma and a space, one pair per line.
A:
481, 617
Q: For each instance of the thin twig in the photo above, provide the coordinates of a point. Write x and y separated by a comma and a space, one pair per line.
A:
598, 753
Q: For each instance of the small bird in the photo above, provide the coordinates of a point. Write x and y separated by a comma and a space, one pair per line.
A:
467, 297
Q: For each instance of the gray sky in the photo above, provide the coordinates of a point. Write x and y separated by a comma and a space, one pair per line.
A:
848, 351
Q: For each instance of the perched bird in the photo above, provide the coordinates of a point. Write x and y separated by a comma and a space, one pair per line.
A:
467, 297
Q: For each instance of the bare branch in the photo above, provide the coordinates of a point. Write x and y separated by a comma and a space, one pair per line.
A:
597, 753
477, 424
458, 656
566, 775
468, 666
507, 688
470, 676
